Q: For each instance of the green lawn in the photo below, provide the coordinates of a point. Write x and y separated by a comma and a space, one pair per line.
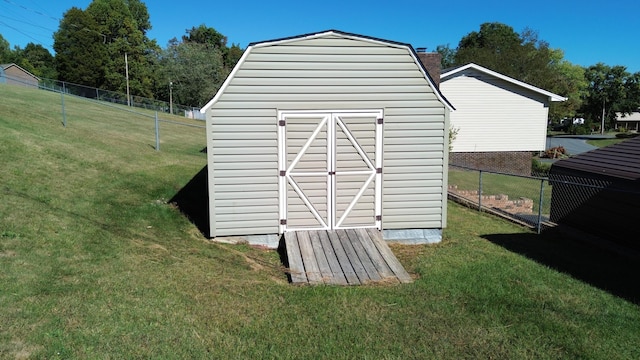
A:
496, 184
604, 142
94, 264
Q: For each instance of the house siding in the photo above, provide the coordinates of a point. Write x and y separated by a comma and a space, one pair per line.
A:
327, 73
495, 115
15, 75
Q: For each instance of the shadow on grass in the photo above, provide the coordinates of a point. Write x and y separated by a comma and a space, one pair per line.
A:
193, 201
608, 270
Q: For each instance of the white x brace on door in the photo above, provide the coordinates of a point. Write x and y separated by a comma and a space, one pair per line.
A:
330, 167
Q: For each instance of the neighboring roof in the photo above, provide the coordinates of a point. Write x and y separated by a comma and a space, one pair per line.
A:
252, 45
621, 160
449, 72
634, 116
6, 66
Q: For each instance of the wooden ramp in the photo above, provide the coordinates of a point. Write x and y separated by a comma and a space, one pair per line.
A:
342, 257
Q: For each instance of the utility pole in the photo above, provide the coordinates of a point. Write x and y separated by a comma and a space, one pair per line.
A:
602, 127
171, 97
126, 70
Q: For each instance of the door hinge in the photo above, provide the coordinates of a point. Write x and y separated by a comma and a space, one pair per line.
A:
283, 221
283, 172
282, 122
378, 217
379, 171
380, 120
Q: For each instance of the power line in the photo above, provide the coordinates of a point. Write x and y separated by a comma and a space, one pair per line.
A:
31, 10
27, 23
23, 33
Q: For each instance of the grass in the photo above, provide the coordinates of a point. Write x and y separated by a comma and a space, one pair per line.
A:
495, 184
95, 264
604, 142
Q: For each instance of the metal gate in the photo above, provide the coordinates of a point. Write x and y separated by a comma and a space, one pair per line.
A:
330, 167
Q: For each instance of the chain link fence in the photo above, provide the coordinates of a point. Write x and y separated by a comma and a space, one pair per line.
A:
115, 101
592, 203
523, 199
120, 98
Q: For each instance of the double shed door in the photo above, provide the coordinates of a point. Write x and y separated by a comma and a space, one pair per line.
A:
330, 167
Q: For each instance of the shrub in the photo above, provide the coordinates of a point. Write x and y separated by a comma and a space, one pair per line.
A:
539, 168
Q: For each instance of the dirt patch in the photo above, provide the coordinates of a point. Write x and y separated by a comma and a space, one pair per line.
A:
8, 253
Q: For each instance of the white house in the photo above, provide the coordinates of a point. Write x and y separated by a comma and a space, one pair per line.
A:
628, 121
328, 130
500, 121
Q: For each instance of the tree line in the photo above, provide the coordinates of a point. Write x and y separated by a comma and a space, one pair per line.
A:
92, 45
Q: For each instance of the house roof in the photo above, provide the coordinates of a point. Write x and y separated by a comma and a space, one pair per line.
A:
450, 72
6, 66
621, 160
634, 116
343, 34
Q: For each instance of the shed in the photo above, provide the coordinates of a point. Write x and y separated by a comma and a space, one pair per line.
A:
329, 130
599, 192
14, 74
500, 121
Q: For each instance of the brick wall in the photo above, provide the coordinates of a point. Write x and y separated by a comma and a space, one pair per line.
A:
500, 201
516, 162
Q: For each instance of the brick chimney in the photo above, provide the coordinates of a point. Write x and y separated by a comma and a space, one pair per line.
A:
431, 62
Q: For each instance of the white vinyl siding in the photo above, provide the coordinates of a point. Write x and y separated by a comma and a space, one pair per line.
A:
327, 73
495, 115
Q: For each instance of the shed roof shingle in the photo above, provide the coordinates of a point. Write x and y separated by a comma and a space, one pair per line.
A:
621, 160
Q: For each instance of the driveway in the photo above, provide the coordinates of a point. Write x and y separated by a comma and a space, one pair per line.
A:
574, 144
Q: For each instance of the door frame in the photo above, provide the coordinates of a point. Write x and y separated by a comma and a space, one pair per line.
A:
285, 170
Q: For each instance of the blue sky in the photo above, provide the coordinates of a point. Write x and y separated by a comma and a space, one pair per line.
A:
587, 31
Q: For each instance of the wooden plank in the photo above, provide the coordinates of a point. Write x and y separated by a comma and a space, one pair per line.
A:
338, 276
347, 267
355, 262
374, 254
308, 258
389, 257
321, 258
363, 256
296, 267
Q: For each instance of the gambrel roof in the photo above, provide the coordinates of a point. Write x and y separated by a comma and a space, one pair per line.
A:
329, 33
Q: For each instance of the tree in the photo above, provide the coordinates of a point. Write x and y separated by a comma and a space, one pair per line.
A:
611, 90
124, 24
447, 56
205, 35
568, 80
196, 71
211, 37
498, 47
5, 51
36, 59
233, 55
81, 49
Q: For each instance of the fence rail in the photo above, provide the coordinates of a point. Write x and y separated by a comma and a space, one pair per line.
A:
527, 199
523, 199
109, 99
106, 96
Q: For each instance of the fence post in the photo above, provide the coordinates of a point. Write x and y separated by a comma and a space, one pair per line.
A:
540, 206
480, 193
64, 113
157, 133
